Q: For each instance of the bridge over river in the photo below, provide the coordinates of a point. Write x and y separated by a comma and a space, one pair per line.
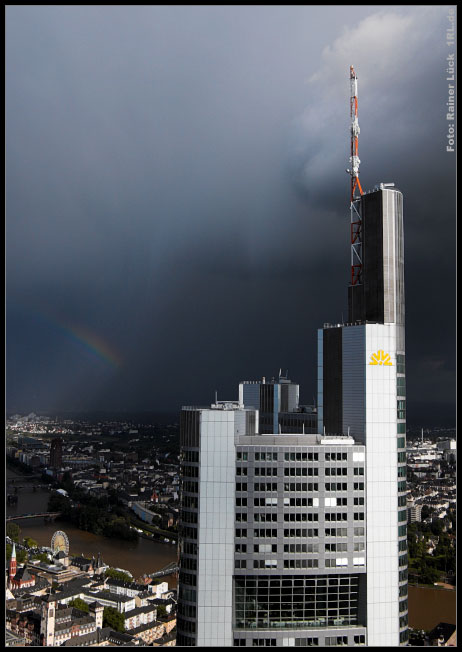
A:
43, 515
167, 570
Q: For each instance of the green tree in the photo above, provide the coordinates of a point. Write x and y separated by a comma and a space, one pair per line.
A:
78, 603
426, 511
118, 575
30, 543
428, 574
41, 556
112, 618
13, 531
161, 611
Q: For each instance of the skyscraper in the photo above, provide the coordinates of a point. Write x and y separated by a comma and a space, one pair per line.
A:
56, 453
277, 402
361, 391
299, 538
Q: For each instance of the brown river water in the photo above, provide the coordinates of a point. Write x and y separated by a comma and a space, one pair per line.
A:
142, 556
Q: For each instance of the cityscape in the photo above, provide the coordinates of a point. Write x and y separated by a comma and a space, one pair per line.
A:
160, 490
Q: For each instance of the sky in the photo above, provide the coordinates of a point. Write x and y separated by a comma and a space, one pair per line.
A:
177, 206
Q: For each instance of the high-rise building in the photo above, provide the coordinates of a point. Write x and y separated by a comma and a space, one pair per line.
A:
56, 453
277, 402
361, 391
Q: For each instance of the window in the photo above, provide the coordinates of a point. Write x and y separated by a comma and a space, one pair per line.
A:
336, 547
401, 409
240, 547
300, 486
265, 547
301, 517
300, 532
241, 516
300, 457
241, 502
301, 547
358, 500
265, 486
336, 532
332, 457
336, 470
240, 563
336, 640
241, 486
401, 386
360, 640
336, 516
257, 517
358, 486
241, 533
300, 471
335, 486
300, 563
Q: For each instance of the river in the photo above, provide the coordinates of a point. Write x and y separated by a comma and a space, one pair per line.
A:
142, 556
428, 607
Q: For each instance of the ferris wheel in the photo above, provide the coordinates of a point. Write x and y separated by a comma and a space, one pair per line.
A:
60, 542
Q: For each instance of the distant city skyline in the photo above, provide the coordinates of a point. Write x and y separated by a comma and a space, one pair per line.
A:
177, 203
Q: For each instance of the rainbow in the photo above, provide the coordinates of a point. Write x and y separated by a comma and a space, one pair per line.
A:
89, 339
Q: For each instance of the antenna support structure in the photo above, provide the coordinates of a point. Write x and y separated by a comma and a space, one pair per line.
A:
353, 171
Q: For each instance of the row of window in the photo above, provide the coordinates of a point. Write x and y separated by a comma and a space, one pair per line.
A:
328, 516
243, 456
299, 532
312, 486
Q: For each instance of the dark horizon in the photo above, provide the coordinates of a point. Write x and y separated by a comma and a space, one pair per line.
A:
423, 415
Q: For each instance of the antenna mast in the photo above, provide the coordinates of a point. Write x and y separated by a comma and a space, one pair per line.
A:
355, 206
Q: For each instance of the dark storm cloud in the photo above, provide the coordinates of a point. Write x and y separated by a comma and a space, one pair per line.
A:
176, 185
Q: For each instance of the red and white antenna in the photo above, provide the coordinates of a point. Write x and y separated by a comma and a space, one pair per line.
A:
356, 249
354, 159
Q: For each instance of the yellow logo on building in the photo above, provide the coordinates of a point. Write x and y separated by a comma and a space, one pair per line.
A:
381, 358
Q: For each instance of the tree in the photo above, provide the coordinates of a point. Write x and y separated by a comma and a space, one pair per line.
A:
13, 531
30, 543
41, 556
426, 511
118, 575
161, 610
78, 603
112, 618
